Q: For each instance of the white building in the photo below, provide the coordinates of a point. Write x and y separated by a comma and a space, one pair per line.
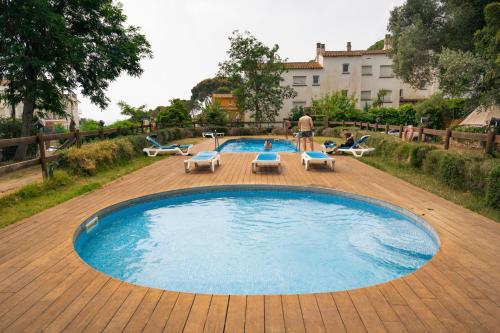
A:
355, 72
50, 119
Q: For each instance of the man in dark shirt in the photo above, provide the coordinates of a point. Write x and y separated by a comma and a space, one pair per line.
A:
349, 142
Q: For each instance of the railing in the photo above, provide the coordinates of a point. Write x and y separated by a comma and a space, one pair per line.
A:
41, 139
490, 139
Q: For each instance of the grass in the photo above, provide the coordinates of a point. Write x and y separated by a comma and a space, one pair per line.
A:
39, 196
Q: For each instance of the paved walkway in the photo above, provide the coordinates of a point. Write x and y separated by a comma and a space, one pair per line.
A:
45, 286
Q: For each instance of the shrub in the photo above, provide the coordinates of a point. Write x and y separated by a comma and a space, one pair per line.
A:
418, 153
402, 153
493, 188
327, 132
89, 158
432, 162
451, 170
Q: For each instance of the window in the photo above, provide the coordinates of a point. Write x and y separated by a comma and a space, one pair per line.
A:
298, 104
344, 92
400, 92
387, 96
299, 80
366, 95
386, 71
345, 69
316, 80
366, 70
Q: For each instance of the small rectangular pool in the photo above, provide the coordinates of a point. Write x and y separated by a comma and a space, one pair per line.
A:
256, 145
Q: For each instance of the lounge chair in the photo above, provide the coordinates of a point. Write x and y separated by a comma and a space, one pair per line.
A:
157, 148
266, 160
203, 158
316, 157
211, 134
328, 148
358, 148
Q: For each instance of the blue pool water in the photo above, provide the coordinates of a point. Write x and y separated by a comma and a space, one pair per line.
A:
256, 241
256, 145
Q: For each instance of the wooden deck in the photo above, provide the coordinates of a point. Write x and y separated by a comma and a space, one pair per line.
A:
45, 286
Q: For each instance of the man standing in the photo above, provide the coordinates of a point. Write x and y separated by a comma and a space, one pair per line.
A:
306, 126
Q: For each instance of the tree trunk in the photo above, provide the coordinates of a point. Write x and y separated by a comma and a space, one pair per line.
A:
27, 124
13, 111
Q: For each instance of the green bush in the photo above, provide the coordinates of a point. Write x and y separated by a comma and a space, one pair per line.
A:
493, 188
432, 162
418, 153
451, 170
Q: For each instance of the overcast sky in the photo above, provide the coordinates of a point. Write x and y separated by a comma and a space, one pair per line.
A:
189, 39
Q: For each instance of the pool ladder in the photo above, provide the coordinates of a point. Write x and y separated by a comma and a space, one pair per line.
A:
216, 140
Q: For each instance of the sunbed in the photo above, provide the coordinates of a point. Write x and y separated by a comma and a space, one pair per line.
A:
211, 134
316, 157
358, 148
266, 160
203, 158
157, 148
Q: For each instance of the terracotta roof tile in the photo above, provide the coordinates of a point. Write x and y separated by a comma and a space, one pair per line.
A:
303, 65
357, 53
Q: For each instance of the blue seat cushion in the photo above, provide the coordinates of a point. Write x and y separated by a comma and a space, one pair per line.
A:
204, 156
316, 154
267, 157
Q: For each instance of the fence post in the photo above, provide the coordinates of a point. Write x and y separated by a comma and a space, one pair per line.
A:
447, 139
376, 127
150, 127
490, 141
101, 133
420, 133
386, 128
41, 149
78, 139
400, 131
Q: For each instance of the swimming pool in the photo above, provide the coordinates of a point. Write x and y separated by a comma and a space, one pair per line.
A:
256, 145
256, 240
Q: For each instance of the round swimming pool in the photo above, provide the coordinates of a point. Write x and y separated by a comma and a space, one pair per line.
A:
256, 145
255, 240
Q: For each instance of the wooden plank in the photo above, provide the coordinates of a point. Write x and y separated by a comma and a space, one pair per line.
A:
161, 313
144, 311
254, 318
235, 319
274, 319
313, 321
180, 313
348, 312
17, 141
216, 314
329, 313
198, 314
292, 314
126, 310
366, 311
18, 166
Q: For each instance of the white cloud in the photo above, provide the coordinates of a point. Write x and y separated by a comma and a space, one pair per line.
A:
189, 39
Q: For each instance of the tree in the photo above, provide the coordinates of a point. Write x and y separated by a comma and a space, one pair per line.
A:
50, 48
379, 101
256, 71
447, 39
378, 45
213, 114
207, 87
136, 114
336, 106
176, 114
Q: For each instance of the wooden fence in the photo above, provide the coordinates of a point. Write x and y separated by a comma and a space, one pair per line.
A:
489, 139
41, 140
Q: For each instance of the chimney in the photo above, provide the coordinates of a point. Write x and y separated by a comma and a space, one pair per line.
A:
349, 46
387, 42
320, 48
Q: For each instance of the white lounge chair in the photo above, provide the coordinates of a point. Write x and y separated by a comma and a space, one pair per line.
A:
358, 148
158, 149
211, 134
316, 157
266, 160
203, 158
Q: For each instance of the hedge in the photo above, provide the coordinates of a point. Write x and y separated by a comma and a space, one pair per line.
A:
466, 171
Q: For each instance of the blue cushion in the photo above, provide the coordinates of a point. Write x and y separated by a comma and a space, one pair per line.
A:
267, 157
316, 154
204, 156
